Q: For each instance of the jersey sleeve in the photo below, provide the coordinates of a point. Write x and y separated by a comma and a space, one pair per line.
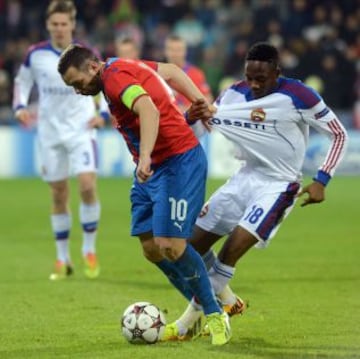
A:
103, 107
23, 84
325, 121
123, 86
152, 64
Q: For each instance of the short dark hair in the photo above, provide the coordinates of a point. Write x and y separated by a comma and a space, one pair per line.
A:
61, 6
175, 37
127, 40
263, 51
75, 56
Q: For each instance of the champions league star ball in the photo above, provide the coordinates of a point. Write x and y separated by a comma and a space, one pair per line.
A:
143, 323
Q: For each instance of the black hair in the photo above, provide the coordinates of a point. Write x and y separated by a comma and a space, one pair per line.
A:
127, 40
175, 37
263, 51
75, 56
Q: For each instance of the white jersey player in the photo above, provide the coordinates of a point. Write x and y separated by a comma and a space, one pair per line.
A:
268, 119
63, 115
66, 136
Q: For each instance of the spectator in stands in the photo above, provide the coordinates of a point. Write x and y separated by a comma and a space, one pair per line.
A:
127, 48
200, 25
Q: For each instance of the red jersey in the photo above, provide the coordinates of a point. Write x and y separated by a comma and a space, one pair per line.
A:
119, 75
198, 78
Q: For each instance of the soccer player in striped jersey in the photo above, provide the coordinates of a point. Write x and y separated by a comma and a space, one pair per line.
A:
267, 118
66, 137
171, 166
175, 52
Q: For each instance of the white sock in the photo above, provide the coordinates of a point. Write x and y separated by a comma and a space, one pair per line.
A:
209, 258
227, 296
188, 318
61, 224
89, 218
219, 275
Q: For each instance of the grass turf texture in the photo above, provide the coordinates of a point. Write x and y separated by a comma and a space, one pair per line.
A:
304, 290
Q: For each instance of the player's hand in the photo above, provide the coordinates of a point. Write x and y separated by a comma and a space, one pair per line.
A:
201, 110
23, 115
96, 122
315, 191
143, 169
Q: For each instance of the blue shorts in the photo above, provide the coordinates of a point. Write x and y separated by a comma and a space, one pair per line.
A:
169, 202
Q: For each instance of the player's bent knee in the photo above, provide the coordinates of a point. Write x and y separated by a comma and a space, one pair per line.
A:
151, 251
171, 248
88, 195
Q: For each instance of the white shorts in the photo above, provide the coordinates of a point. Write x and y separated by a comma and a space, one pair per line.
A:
252, 201
60, 161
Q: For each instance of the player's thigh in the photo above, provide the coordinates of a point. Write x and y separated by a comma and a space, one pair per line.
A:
222, 212
179, 194
83, 155
141, 209
270, 206
54, 163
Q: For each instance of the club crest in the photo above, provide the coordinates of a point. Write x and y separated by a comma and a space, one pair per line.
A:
258, 115
204, 210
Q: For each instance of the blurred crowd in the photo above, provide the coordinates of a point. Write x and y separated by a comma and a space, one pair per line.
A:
319, 40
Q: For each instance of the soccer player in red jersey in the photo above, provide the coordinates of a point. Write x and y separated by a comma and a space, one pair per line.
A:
175, 53
169, 184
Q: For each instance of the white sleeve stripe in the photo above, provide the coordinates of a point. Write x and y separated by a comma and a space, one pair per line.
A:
335, 153
337, 148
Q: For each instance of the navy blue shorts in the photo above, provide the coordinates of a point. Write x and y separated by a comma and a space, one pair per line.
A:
169, 202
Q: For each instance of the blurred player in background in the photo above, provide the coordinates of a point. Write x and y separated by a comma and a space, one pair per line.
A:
170, 176
127, 48
66, 136
267, 118
175, 53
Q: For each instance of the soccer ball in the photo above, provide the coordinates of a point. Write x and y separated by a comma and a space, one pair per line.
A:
143, 323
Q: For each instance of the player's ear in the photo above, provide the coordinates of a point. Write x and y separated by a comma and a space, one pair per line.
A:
93, 67
278, 71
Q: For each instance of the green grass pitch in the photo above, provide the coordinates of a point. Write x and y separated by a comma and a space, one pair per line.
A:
304, 290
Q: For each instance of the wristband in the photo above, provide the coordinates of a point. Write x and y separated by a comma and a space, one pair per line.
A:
105, 115
322, 177
186, 115
19, 107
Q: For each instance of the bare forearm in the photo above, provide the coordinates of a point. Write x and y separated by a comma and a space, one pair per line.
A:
149, 126
179, 81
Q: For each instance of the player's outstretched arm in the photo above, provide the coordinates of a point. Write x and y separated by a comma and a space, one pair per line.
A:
199, 110
179, 81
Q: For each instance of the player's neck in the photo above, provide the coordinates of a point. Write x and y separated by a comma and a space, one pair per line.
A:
102, 66
181, 64
60, 46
